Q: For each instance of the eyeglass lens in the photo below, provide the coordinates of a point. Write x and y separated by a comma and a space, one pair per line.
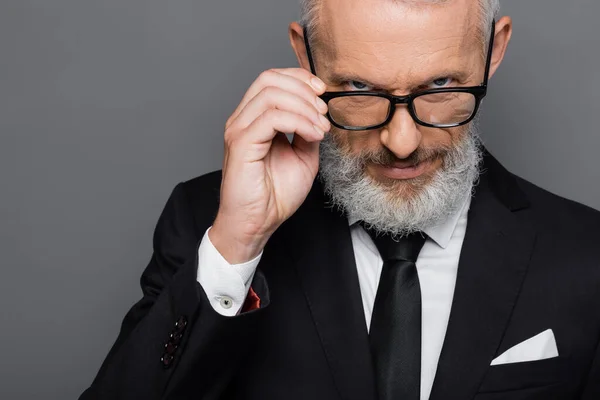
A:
447, 108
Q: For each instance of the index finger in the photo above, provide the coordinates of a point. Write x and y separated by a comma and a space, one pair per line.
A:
306, 76
303, 83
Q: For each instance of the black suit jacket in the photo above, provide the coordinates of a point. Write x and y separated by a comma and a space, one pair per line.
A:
530, 262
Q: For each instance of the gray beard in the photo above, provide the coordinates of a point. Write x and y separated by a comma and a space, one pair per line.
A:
381, 207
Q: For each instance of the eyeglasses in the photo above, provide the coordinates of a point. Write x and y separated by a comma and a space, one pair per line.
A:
434, 108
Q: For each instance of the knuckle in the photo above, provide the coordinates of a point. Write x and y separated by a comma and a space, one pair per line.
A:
270, 95
266, 75
269, 91
229, 138
272, 115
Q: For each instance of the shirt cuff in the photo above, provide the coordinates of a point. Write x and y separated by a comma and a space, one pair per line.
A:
226, 285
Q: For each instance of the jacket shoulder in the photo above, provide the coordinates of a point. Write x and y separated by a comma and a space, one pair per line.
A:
551, 212
204, 185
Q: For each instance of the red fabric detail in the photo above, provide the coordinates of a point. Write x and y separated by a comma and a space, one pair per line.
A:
252, 301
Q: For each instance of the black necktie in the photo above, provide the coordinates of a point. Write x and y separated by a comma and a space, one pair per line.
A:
395, 333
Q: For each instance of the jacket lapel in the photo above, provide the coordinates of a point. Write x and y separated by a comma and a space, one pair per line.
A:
493, 263
322, 252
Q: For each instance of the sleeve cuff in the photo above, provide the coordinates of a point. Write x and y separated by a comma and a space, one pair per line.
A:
226, 285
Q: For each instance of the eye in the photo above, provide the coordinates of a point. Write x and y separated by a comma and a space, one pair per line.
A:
441, 82
358, 86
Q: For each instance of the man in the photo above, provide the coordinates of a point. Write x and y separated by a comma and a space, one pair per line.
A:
390, 258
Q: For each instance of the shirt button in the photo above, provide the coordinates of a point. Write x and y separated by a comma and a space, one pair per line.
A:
226, 302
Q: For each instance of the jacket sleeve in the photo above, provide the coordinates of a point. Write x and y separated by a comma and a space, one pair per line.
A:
172, 343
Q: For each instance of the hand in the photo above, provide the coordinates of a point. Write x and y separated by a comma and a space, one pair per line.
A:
265, 177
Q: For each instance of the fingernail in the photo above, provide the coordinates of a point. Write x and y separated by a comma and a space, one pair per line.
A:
317, 84
321, 105
319, 131
324, 122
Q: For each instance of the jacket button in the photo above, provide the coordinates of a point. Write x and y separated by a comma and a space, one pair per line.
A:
167, 360
175, 338
170, 348
180, 324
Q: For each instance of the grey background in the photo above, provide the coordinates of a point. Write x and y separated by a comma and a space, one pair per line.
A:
106, 105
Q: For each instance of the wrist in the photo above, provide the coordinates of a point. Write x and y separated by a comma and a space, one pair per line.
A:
235, 250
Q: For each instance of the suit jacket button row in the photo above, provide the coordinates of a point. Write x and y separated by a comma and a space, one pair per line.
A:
173, 342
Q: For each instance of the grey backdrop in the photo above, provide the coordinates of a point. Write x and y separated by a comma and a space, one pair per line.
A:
106, 105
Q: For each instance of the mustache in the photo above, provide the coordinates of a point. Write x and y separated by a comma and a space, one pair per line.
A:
385, 157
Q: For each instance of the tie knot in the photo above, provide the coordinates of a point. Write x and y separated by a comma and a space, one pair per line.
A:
406, 248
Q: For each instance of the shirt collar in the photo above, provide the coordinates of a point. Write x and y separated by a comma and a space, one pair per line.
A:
441, 233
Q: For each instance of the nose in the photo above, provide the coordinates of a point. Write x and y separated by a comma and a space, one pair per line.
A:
401, 135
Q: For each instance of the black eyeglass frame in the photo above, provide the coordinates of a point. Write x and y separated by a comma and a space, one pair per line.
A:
478, 92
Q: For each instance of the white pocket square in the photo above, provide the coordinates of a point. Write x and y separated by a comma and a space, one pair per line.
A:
539, 347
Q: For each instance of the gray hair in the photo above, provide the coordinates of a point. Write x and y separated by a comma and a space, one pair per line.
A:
489, 10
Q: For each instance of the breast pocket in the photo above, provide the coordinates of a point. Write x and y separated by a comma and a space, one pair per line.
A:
525, 375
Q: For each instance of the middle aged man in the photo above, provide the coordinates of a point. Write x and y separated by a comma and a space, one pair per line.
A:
392, 258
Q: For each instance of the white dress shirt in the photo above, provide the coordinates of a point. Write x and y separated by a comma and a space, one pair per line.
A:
227, 285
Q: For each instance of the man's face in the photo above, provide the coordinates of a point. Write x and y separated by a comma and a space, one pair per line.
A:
403, 177
397, 48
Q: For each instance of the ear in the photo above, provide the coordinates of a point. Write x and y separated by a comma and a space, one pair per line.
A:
501, 39
296, 33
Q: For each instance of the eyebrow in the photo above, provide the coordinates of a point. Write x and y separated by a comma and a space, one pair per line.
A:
341, 77
337, 78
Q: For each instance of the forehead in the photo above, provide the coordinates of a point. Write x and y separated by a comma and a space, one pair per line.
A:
391, 37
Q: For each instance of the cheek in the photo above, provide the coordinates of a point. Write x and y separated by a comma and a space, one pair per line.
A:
355, 142
458, 134
435, 137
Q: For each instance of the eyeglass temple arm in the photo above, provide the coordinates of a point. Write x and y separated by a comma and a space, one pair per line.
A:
488, 62
308, 52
